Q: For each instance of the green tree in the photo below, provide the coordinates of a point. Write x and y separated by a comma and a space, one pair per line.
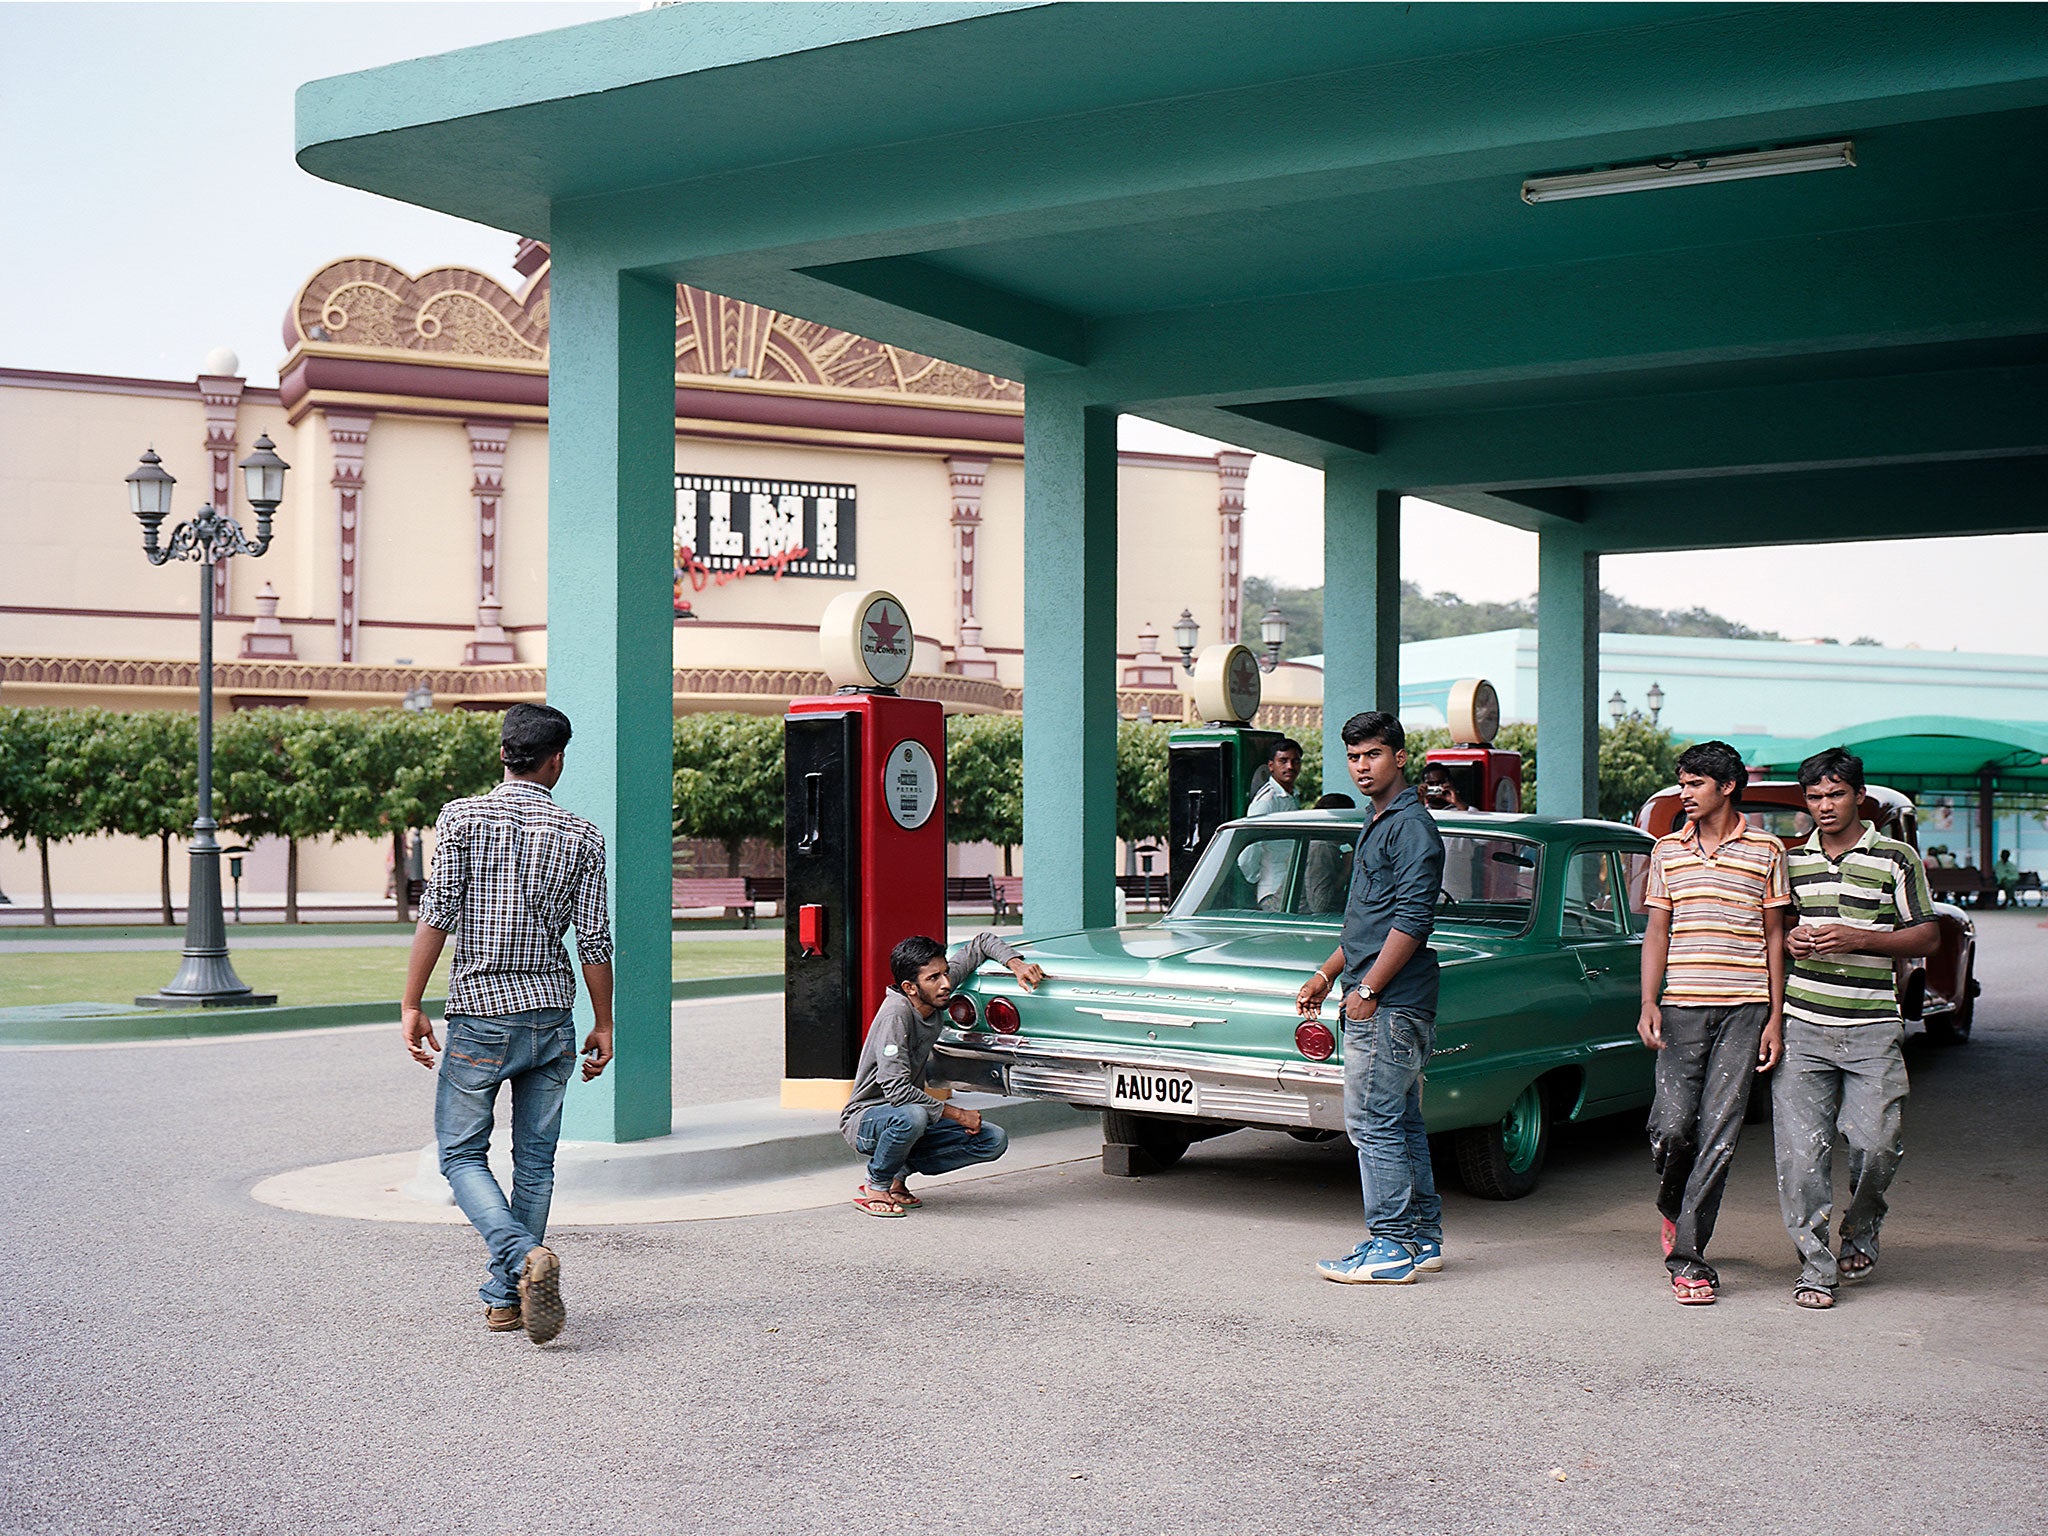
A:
1636, 760
728, 780
1141, 812
985, 781
145, 770
46, 786
418, 762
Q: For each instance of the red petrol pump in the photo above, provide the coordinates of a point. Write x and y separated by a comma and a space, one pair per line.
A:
864, 841
1487, 778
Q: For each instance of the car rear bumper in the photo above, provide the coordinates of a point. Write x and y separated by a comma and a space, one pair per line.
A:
1236, 1090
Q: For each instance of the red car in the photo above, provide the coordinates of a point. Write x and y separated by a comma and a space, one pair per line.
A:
1941, 990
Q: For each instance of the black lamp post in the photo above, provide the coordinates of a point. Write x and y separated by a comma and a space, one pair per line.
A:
205, 975
1655, 699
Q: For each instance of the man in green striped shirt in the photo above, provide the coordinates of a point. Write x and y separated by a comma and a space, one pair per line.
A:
1862, 903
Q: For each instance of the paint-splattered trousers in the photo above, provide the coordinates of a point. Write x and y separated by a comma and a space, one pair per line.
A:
1704, 1073
1846, 1080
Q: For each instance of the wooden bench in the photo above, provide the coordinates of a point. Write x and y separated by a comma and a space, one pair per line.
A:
769, 888
1969, 883
729, 892
2028, 884
973, 891
1148, 891
1009, 895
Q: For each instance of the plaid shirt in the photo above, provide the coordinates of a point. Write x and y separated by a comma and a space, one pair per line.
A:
512, 870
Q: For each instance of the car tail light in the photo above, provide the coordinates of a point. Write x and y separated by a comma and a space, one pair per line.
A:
1002, 1015
961, 1011
1315, 1041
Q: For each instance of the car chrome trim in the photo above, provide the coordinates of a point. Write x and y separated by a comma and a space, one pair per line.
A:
1135, 1016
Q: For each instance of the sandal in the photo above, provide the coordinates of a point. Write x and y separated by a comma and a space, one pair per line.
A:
903, 1197
1689, 1292
875, 1204
1855, 1266
1813, 1298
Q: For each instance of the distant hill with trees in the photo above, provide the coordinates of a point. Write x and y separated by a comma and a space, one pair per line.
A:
1438, 615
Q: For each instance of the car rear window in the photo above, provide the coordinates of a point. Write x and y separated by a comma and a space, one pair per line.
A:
1305, 872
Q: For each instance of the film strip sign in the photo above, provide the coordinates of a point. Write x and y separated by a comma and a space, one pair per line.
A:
733, 527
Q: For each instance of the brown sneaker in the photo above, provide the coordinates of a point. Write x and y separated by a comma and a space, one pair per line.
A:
501, 1319
540, 1294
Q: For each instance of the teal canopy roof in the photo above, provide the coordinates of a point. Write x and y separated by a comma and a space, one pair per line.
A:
1927, 746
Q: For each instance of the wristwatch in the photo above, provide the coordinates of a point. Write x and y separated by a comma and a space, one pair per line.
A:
1365, 992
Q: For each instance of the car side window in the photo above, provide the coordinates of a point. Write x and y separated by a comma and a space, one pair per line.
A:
1635, 880
1591, 910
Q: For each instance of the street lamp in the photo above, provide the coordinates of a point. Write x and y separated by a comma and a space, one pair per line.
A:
205, 974
419, 698
1617, 706
1655, 699
1273, 630
1186, 634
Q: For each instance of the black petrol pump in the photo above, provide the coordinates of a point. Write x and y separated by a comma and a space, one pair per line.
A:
1210, 767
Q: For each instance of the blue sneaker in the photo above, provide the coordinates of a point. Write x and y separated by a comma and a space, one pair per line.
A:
1379, 1262
1429, 1255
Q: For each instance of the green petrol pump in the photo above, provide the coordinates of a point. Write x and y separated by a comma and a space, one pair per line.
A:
1210, 767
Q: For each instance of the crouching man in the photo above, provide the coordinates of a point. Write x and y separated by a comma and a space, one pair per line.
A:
891, 1120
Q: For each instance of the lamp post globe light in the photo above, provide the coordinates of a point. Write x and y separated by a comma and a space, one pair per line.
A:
205, 976
1617, 706
1273, 631
1186, 635
1655, 699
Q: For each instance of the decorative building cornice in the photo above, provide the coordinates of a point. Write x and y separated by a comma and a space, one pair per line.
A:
459, 315
282, 678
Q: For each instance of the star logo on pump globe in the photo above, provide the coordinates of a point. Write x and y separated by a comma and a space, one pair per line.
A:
885, 641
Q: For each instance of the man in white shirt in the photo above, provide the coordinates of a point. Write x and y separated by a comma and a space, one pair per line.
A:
1265, 864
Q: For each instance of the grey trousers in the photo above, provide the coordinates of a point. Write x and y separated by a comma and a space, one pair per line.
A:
1703, 1078
1846, 1079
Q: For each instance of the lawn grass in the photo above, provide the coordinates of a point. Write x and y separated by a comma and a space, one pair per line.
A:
301, 976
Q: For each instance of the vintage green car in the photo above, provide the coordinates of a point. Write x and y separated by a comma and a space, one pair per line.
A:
1187, 1028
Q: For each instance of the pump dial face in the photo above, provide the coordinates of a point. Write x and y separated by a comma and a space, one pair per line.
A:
910, 785
1474, 712
865, 640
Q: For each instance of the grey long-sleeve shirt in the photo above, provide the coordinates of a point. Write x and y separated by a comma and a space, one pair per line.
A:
900, 1040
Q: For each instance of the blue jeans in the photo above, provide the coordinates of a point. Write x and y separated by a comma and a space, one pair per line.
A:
1383, 1061
534, 1051
899, 1137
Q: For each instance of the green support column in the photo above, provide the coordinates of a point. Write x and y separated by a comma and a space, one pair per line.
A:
1567, 674
1361, 604
611, 515
1070, 711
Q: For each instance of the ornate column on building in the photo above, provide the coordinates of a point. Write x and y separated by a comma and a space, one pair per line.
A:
220, 391
350, 436
969, 476
1232, 465
490, 645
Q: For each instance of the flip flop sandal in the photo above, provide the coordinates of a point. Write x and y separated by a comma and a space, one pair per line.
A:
1856, 1267
906, 1199
1692, 1293
1813, 1298
876, 1205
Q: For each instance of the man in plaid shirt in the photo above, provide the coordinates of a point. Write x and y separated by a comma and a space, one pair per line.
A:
512, 870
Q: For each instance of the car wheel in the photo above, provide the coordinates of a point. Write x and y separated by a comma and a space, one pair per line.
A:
1953, 1027
1504, 1160
1135, 1144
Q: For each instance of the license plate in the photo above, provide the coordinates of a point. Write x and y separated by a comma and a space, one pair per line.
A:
1163, 1093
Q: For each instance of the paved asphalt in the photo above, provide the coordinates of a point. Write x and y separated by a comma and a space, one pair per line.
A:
1048, 1352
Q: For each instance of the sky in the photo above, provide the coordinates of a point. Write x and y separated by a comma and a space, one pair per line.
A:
146, 154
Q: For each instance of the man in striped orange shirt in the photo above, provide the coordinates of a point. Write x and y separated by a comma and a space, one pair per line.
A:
1713, 998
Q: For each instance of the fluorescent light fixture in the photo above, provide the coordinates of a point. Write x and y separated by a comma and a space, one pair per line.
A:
1692, 171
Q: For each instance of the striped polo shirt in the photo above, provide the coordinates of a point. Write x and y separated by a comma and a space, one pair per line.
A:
1717, 915
1877, 884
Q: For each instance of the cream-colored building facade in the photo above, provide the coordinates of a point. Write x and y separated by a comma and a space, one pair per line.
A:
411, 548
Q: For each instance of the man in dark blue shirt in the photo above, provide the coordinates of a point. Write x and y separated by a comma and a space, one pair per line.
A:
1387, 1005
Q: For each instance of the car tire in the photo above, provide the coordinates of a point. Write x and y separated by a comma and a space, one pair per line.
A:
1953, 1027
1504, 1160
1139, 1144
